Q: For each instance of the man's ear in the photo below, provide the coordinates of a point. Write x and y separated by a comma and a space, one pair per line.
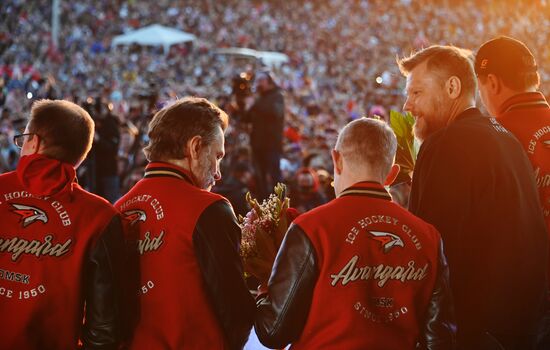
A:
390, 178
32, 145
453, 87
494, 84
337, 162
194, 146
35, 143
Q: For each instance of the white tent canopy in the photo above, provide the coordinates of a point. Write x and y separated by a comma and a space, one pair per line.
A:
269, 58
154, 35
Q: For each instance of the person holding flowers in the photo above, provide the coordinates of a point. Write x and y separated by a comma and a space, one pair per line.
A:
193, 294
359, 272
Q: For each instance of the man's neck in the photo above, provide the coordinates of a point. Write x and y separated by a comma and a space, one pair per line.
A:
182, 163
459, 106
350, 180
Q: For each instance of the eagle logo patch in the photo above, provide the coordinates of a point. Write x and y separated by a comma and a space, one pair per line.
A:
28, 214
387, 240
135, 215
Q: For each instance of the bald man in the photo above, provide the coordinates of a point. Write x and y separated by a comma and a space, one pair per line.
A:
359, 272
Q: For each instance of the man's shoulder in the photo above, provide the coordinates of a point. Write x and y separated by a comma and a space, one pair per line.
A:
337, 214
419, 225
92, 202
475, 124
218, 206
11, 188
216, 216
526, 114
8, 177
273, 96
211, 204
476, 135
526, 122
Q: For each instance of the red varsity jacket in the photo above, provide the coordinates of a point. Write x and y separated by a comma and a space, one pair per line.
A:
358, 273
527, 116
54, 257
192, 293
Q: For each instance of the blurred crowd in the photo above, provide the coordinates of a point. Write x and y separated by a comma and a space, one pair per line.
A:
342, 66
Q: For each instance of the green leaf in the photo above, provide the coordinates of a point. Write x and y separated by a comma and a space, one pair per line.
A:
402, 125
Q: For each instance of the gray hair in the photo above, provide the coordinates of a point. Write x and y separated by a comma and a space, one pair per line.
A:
368, 143
174, 125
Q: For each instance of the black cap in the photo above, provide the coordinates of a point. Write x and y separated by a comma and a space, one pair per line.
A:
505, 57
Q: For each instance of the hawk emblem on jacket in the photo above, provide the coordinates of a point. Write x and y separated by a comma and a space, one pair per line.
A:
135, 215
387, 240
28, 214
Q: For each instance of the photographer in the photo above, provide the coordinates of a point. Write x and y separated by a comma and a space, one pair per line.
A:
266, 115
105, 151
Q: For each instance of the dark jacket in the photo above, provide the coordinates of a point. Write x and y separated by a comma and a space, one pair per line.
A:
358, 273
474, 183
193, 294
267, 116
105, 147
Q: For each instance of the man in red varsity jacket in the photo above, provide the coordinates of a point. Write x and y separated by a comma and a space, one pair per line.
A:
359, 272
508, 82
193, 295
61, 247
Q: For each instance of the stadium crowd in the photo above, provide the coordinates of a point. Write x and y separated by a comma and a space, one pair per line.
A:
342, 66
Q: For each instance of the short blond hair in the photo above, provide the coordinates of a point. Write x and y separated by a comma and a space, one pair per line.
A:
367, 142
444, 61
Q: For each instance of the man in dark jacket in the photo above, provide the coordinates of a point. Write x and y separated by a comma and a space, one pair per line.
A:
105, 153
359, 272
267, 116
193, 295
473, 181
61, 248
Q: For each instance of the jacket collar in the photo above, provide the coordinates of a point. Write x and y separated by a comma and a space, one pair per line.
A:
163, 169
467, 113
522, 101
367, 189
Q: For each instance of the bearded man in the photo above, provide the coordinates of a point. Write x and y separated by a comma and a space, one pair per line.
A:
474, 183
193, 295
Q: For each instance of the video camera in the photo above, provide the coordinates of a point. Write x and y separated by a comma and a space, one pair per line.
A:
242, 88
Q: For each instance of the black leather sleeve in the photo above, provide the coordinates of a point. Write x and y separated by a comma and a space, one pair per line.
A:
216, 240
101, 329
282, 313
440, 329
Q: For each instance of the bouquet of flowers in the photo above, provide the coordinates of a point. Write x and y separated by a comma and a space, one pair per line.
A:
402, 125
263, 230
